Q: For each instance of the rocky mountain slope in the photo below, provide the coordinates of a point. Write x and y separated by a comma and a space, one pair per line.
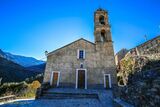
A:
14, 68
12, 72
39, 68
21, 60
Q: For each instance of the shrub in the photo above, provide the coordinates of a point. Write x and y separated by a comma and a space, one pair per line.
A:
35, 84
12, 88
21, 90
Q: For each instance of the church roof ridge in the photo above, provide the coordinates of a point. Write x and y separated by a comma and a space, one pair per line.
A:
70, 44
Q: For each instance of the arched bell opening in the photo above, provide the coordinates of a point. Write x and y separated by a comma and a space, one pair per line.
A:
102, 20
103, 37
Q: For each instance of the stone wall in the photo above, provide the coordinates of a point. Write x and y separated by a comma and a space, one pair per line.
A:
99, 60
150, 47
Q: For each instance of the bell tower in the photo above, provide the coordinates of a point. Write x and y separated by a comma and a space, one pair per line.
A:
102, 33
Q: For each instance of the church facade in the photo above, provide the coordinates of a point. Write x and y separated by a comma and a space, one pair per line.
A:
83, 64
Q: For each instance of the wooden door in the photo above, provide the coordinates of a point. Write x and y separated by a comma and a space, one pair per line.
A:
55, 79
107, 81
81, 79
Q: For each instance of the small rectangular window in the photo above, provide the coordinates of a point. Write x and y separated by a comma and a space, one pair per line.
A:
81, 54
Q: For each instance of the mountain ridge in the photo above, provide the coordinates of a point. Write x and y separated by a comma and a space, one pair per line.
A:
21, 60
12, 72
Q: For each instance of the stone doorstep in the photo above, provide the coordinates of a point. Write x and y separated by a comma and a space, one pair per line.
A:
55, 95
61, 93
83, 92
72, 90
107, 93
68, 93
105, 97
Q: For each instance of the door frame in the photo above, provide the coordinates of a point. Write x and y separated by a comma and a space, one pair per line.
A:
77, 70
52, 75
109, 76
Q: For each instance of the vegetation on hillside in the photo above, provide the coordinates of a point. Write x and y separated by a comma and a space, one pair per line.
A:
140, 76
18, 80
24, 89
21, 90
129, 66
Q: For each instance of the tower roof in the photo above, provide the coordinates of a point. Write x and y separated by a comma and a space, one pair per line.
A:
101, 10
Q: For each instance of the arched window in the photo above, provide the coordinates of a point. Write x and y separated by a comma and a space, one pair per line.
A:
103, 38
101, 20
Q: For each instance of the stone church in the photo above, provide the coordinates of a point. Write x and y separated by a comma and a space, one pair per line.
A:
84, 64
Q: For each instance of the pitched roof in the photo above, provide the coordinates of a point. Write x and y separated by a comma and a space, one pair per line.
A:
70, 44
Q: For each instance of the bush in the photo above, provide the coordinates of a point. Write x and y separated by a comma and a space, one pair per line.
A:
35, 85
21, 90
12, 88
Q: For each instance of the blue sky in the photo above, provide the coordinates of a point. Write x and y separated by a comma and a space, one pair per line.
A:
29, 27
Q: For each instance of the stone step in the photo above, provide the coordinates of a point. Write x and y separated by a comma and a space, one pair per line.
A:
69, 93
71, 96
54, 95
65, 97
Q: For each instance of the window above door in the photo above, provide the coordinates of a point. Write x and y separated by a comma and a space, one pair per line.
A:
81, 54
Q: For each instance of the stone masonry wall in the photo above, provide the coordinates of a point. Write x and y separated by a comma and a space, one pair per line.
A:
150, 47
98, 61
